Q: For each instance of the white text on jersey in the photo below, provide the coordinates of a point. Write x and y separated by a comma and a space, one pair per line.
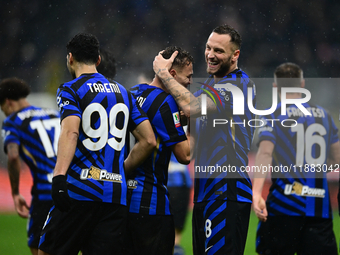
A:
105, 87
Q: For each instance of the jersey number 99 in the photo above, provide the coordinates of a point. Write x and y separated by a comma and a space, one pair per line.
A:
107, 125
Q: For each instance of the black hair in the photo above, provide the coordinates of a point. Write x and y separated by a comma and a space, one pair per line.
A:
183, 57
84, 48
232, 32
288, 75
13, 88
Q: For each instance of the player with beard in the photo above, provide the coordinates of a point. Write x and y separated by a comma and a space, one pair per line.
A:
222, 199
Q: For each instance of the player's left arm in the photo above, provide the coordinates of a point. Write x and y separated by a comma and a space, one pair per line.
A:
263, 158
191, 138
13, 165
141, 150
181, 151
188, 103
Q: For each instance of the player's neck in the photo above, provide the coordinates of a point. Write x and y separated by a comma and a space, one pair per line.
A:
232, 68
20, 104
83, 68
292, 95
156, 82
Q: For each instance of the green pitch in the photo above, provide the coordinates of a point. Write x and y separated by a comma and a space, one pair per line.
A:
13, 235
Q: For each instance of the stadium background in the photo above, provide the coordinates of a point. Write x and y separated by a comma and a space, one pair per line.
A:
33, 35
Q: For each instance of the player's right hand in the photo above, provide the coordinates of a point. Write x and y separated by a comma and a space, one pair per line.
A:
260, 208
160, 64
60, 196
21, 206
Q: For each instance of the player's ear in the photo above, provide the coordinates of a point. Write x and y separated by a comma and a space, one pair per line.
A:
70, 58
236, 55
99, 60
173, 72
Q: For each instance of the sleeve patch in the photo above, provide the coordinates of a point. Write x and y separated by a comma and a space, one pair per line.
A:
176, 118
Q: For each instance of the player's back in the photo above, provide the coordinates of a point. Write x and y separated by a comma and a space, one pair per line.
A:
36, 131
149, 194
300, 153
106, 109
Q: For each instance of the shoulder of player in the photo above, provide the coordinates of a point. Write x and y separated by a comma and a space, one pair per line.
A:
236, 77
80, 81
151, 93
34, 112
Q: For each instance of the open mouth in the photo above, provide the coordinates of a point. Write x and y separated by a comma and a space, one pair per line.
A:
212, 64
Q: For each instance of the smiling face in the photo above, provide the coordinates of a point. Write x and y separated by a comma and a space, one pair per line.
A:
220, 55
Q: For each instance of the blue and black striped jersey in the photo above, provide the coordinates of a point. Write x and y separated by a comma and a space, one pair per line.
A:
300, 153
36, 131
107, 110
221, 150
149, 194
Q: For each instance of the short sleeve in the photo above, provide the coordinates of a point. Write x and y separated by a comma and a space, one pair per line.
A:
9, 134
167, 123
67, 103
266, 132
137, 115
334, 134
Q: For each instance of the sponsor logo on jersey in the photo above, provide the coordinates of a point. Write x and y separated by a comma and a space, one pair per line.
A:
177, 120
303, 190
61, 104
100, 175
131, 184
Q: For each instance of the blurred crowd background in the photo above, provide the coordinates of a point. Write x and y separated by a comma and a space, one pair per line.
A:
33, 36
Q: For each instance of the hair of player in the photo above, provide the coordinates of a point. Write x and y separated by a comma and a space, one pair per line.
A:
182, 59
13, 88
107, 66
232, 32
288, 75
84, 48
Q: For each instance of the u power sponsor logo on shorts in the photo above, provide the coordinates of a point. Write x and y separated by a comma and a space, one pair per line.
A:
99, 175
303, 190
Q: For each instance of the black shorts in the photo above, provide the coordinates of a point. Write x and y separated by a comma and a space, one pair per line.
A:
179, 201
150, 234
92, 227
220, 227
36, 219
291, 234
